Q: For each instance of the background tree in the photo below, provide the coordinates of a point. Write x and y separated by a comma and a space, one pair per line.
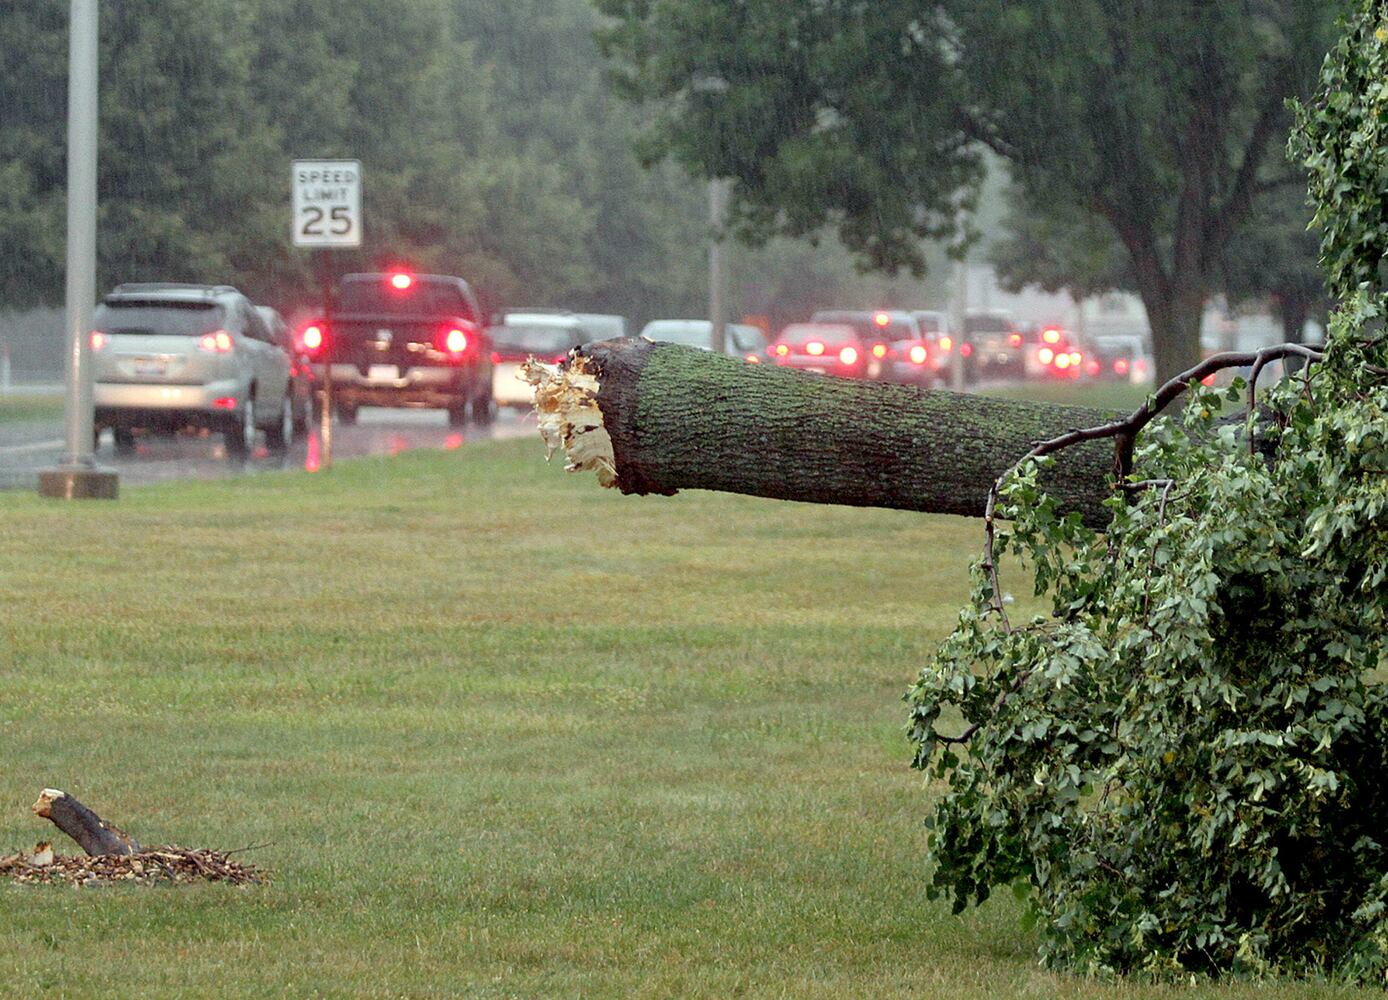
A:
1158, 118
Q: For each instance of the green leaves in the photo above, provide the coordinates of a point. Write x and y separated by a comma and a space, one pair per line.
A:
1185, 765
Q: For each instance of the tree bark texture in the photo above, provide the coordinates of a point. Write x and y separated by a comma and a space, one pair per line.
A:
92, 833
680, 419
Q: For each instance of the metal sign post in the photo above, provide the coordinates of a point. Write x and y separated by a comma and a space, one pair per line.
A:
326, 216
78, 475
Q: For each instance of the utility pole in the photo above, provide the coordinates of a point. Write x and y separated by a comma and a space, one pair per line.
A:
78, 476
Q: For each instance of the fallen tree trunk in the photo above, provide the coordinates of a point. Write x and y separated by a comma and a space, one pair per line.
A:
658, 418
92, 833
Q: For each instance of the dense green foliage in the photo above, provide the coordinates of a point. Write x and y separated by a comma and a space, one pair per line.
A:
489, 146
1183, 766
1155, 118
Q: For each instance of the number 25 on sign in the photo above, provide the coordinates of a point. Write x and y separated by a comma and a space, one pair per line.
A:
327, 203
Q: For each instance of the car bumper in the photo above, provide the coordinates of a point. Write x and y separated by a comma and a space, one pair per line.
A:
391, 385
117, 396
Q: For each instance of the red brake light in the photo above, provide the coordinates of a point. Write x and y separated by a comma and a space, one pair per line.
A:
216, 343
311, 337
99, 340
1014, 339
946, 343
917, 354
225, 403
782, 350
401, 281
1075, 358
1045, 355
1092, 368
455, 341
1050, 335
881, 318
1062, 361
879, 350
849, 356
1120, 367
814, 347
965, 350
752, 359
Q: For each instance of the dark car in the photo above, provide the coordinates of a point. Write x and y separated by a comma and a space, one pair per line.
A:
886, 335
399, 339
993, 346
826, 348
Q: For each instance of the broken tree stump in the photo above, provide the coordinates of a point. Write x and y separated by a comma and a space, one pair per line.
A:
92, 833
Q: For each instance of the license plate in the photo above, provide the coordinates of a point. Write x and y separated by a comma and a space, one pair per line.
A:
151, 366
817, 371
384, 373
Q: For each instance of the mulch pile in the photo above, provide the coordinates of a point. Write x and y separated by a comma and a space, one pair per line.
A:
171, 864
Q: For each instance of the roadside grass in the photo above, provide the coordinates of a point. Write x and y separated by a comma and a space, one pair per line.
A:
16, 407
1122, 396
504, 733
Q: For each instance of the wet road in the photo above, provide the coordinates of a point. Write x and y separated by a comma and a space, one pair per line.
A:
28, 446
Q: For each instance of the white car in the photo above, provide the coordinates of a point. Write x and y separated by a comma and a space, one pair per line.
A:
545, 336
739, 340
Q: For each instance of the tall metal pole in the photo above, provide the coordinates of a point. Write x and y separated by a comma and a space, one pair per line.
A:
78, 475
717, 269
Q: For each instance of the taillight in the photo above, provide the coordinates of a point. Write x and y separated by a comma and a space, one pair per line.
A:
1045, 355
965, 350
848, 356
1120, 367
917, 354
752, 359
1050, 336
1014, 340
781, 350
1075, 358
99, 340
401, 281
1093, 368
455, 338
455, 341
946, 343
496, 358
1062, 361
881, 318
879, 351
215, 343
814, 347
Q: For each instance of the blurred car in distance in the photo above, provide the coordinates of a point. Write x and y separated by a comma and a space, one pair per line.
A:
940, 340
826, 348
401, 339
887, 336
1056, 353
547, 336
170, 357
1119, 357
303, 386
601, 326
992, 346
739, 339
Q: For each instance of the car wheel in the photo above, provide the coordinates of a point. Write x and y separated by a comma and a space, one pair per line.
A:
483, 410
346, 415
281, 436
300, 410
239, 435
457, 415
124, 438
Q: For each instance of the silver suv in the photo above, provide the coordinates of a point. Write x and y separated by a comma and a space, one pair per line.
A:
170, 356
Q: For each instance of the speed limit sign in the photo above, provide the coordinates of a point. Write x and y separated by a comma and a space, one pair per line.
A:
327, 203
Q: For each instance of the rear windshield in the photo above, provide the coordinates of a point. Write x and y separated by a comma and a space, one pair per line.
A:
691, 334
168, 319
896, 328
928, 322
544, 340
424, 297
988, 324
802, 333
745, 338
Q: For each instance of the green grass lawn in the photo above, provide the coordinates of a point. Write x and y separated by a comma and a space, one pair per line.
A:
1122, 396
23, 406
506, 734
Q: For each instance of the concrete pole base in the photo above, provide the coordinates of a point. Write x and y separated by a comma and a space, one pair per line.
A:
69, 483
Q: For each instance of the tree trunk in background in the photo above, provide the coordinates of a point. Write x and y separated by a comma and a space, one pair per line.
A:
680, 418
94, 834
